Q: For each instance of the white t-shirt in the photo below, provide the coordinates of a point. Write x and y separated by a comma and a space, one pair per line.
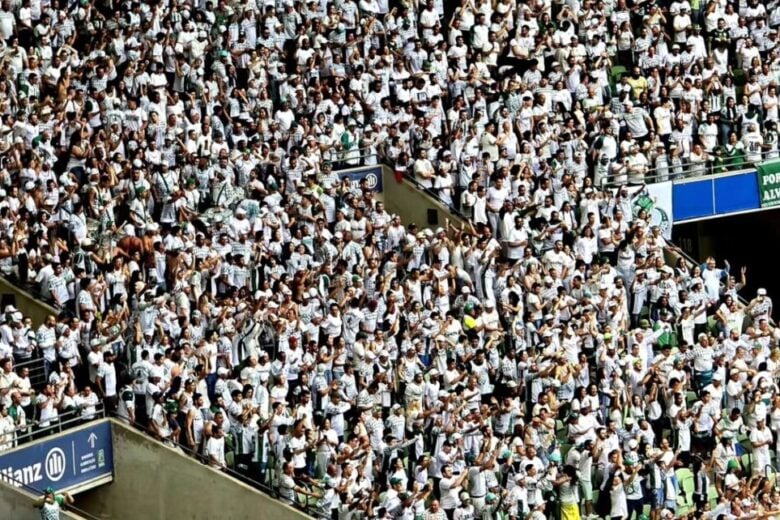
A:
107, 373
516, 235
161, 421
617, 496
449, 494
215, 449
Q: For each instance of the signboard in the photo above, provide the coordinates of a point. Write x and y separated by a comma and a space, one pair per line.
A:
372, 174
64, 462
660, 207
716, 196
655, 199
769, 184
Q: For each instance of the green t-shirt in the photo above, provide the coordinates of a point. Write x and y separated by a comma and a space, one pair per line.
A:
51, 510
13, 411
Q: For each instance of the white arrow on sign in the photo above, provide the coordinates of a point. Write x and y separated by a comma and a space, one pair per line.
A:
92, 439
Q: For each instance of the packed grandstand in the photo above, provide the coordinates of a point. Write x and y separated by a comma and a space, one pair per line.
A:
170, 185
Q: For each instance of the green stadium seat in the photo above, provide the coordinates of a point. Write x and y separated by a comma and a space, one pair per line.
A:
565, 448
747, 463
686, 484
712, 495
614, 77
740, 78
617, 72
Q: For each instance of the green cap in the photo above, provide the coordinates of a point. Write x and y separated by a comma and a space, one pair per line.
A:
732, 464
49, 490
223, 54
395, 481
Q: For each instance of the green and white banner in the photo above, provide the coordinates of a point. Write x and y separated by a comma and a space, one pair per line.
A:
769, 184
657, 200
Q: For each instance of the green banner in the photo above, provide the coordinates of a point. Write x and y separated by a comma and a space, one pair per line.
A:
769, 184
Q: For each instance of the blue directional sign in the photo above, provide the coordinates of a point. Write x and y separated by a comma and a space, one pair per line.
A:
64, 462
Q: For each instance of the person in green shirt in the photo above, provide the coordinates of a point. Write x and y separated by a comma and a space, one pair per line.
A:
17, 413
349, 144
51, 504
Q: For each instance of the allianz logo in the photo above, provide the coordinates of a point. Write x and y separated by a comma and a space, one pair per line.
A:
52, 468
371, 181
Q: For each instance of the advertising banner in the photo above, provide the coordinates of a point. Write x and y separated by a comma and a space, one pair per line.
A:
656, 199
64, 462
769, 184
372, 174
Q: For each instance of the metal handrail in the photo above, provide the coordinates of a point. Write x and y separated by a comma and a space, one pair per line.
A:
39, 492
430, 191
359, 158
382, 161
261, 486
651, 176
671, 247
63, 422
741, 300
689, 171
37, 371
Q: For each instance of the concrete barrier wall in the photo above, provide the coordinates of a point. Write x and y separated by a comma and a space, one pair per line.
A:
28, 304
413, 204
156, 482
19, 505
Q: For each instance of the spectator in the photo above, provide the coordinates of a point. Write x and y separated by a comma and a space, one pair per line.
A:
171, 185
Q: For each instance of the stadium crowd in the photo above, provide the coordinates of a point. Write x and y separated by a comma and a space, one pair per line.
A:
170, 184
